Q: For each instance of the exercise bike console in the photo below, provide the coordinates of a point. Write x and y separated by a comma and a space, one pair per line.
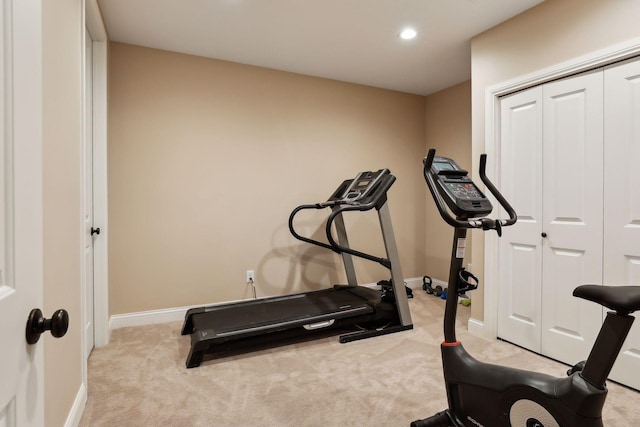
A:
459, 192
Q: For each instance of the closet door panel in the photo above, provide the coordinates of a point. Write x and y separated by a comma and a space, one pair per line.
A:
520, 246
572, 213
622, 199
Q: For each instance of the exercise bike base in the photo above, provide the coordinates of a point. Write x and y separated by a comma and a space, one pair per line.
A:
441, 419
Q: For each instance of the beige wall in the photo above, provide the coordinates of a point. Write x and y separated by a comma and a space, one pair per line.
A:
549, 34
207, 159
62, 130
448, 130
193, 138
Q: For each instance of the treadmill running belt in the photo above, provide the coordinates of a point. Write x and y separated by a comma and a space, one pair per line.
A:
300, 308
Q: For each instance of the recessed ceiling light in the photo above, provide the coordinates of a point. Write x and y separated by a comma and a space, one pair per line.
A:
408, 34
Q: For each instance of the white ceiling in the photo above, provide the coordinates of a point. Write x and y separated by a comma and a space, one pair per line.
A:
349, 40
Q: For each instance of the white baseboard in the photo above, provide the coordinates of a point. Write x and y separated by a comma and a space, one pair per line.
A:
150, 317
75, 414
477, 328
414, 282
175, 314
438, 282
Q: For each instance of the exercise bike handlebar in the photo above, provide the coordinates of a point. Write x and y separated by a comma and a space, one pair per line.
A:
483, 223
513, 217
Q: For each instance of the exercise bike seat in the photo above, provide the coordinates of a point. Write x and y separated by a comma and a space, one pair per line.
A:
622, 299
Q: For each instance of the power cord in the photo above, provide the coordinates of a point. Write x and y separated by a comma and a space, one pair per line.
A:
253, 286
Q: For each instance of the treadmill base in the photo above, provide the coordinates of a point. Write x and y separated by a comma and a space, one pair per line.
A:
356, 312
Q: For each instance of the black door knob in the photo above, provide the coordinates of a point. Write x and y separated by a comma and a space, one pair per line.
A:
543, 234
37, 324
95, 231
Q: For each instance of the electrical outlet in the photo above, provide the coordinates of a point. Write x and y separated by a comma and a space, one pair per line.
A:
250, 276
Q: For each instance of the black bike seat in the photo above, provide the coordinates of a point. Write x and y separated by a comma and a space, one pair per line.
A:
622, 299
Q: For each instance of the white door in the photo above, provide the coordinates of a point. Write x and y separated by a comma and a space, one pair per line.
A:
622, 199
88, 197
521, 245
21, 365
572, 213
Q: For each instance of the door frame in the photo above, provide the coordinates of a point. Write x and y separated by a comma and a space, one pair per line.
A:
488, 328
94, 23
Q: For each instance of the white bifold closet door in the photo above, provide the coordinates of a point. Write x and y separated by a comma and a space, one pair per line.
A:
520, 247
551, 163
570, 165
622, 199
572, 158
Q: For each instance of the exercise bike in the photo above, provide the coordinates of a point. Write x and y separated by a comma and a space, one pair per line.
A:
485, 395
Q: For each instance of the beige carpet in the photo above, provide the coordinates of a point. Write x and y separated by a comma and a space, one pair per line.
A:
140, 379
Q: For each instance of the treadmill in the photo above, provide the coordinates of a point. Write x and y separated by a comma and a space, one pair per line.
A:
355, 311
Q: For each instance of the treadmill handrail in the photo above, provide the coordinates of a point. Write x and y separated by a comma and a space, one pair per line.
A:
339, 248
308, 239
377, 200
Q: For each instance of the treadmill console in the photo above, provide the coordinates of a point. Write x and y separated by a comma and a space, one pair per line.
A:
359, 188
459, 192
